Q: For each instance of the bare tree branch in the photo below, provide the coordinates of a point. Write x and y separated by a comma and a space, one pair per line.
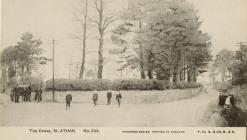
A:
96, 6
108, 21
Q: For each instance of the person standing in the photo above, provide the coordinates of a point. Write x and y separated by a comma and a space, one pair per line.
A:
109, 96
68, 100
38, 93
95, 97
118, 98
29, 92
16, 94
12, 95
228, 101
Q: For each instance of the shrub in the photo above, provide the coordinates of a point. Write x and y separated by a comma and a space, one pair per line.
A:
35, 82
77, 85
101, 84
139, 84
119, 84
184, 85
234, 116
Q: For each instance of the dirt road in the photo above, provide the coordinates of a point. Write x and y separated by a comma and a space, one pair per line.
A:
188, 112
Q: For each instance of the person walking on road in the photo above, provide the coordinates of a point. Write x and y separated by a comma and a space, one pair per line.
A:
118, 98
68, 100
109, 96
95, 97
12, 95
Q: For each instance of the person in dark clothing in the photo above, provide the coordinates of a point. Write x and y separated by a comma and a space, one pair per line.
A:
17, 94
12, 95
222, 98
29, 92
24, 94
39, 95
232, 100
36, 95
118, 98
68, 100
109, 96
95, 97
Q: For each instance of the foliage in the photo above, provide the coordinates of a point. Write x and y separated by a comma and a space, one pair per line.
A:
185, 85
239, 67
234, 116
170, 42
119, 84
23, 57
222, 62
35, 82
140, 84
79, 85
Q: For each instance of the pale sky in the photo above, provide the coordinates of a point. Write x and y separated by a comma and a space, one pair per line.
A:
224, 20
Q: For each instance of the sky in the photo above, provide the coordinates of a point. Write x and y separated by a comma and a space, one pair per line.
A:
224, 20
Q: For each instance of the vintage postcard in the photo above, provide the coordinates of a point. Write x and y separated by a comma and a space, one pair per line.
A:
122, 68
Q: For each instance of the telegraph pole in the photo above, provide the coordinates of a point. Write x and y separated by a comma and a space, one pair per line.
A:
53, 80
53, 42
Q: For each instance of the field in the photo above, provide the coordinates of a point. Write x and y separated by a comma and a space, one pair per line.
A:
139, 108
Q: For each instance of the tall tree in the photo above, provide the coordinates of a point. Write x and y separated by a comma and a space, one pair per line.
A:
102, 23
239, 67
81, 18
24, 57
84, 39
135, 14
223, 61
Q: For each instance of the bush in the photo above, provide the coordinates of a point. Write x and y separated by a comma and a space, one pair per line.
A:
119, 84
100, 84
35, 82
78, 85
139, 84
185, 85
223, 86
234, 116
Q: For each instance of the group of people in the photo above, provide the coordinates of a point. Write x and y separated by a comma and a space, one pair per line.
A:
226, 100
25, 93
95, 98
108, 96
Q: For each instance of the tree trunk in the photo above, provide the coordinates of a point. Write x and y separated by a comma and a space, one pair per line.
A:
84, 42
4, 77
22, 68
189, 75
141, 56
101, 42
101, 60
194, 74
176, 73
150, 64
150, 74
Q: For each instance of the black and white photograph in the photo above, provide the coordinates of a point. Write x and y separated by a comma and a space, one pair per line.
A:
123, 63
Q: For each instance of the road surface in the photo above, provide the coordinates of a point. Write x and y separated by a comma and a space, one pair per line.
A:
183, 113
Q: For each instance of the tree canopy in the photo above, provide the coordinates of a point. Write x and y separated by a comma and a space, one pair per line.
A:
171, 40
23, 57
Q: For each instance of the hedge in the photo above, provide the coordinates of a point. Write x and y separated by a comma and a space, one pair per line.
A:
185, 85
139, 84
78, 85
102, 84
